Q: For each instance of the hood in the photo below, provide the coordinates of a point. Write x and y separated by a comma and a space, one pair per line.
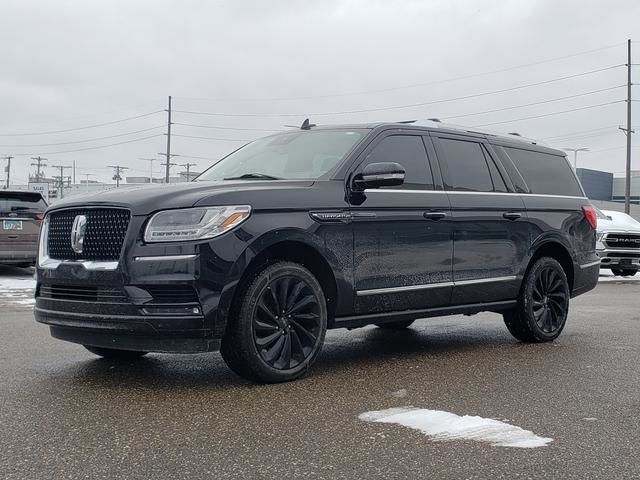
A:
620, 222
143, 200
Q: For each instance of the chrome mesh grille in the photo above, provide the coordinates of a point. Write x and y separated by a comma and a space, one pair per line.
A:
104, 235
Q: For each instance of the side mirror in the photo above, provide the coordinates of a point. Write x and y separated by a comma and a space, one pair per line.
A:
383, 174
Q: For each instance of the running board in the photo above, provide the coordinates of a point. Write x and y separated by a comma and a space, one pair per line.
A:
356, 321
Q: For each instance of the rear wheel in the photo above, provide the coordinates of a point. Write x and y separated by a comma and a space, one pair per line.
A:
280, 325
401, 325
115, 353
543, 303
624, 272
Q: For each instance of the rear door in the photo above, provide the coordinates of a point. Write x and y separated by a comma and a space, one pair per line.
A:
20, 216
402, 235
490, 231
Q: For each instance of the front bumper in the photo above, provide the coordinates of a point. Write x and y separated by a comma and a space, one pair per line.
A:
619, 258
170, 299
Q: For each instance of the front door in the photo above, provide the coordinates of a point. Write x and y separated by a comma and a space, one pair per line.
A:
490, 228
402, 235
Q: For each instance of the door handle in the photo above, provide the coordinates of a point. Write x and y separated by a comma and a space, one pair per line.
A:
512, 215
435, 215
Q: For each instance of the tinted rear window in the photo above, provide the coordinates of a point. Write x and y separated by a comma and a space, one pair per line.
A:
467, 166
21, 202
544, 173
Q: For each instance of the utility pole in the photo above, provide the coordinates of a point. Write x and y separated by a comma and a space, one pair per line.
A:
150, 160
39, 163
116, 175
61, 178
628, 132
8, 159
87, 175
188, 167
167, 164
74, 172
168, 154
575, 154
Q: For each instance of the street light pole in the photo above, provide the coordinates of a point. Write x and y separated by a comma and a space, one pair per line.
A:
575, 154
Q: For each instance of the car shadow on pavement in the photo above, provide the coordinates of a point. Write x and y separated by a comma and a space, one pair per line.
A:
365, 350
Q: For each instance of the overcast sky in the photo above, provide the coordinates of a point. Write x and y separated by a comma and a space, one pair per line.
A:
74, 64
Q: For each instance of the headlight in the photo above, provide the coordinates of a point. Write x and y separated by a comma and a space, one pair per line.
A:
194, 223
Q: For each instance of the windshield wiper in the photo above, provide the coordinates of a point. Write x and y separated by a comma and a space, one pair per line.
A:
256, 176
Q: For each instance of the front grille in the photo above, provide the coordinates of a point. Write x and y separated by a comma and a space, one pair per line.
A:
104, 235
82, 293
622, 240
169, 294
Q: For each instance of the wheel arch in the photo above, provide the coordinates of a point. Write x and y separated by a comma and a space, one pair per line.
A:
296, 247
557, 250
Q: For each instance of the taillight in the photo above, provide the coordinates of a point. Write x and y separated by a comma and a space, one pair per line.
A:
39, 215
590, 215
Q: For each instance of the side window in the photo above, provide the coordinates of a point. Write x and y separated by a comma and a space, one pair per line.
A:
498, 181
545, 173
467, 165
408, 151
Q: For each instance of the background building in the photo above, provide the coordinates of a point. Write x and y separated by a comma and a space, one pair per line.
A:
597, 185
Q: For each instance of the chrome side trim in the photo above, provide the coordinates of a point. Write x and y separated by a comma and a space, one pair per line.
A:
590, 264
455, 192
509, 278
408, 288
166, 258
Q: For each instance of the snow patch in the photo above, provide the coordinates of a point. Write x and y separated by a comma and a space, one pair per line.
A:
8, 284
446, 426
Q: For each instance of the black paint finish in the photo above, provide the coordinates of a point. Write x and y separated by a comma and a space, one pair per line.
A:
356, 242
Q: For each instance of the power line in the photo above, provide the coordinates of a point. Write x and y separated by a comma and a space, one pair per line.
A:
398, 107
549, 114
98, 147
83, 141
580, 132
116, 174
228, 128
214, 138
534, 103
39, 164
80, 128
415, 85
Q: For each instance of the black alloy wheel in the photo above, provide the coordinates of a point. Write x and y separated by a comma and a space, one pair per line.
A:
543, 303
286, 322
549, 299
279, 327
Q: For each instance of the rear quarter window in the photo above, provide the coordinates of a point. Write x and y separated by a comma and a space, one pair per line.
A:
545, 173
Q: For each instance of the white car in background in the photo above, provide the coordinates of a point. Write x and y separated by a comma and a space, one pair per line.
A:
618, 244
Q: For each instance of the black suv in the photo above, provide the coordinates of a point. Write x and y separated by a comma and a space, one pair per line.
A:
322, 227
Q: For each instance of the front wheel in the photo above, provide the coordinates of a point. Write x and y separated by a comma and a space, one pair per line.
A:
543, 303
280, 325
115, 353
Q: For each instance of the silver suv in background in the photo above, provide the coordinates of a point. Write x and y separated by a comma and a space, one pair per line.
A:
21, 213
618, 243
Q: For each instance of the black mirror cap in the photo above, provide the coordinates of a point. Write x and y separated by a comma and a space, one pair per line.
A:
382, 174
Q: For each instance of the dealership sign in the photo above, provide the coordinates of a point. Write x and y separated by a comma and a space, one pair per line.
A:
41, 188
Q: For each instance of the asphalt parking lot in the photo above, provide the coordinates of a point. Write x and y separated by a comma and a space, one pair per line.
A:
67, 414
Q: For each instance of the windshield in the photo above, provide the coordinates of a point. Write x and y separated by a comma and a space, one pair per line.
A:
292, 155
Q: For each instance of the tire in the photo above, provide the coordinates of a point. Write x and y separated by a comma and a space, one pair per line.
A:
624, 272
400, 325
543, 303
279, 327
114, 353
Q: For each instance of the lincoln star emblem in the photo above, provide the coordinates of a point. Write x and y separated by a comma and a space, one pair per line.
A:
77, 233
